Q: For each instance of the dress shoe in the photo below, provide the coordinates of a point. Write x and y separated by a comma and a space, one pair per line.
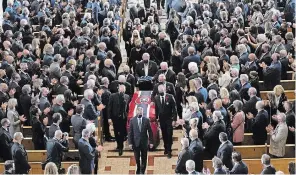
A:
169, 155
165, 152
120, 152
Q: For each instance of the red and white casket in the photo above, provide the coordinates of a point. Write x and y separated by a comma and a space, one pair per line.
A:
143, 99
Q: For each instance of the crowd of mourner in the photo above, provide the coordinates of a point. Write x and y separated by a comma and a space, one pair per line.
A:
62, 65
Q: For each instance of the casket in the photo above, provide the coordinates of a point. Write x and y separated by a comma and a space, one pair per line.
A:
143, 99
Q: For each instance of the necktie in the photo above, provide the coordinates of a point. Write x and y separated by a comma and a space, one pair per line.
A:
140, 123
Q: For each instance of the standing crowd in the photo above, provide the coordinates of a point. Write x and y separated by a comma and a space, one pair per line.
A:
60, 68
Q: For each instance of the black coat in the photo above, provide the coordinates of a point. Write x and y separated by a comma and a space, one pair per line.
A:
167, 111
38, 133
239, 168
259, 124
290, 120
156, 54
152, 69
165, 46
211, 137
5, 144
135, 56
25, 103
170, 89
109, 73
184, 155
55, 149
224, 153
285, 67
87, 155
25, 79
118, 103
114, 85
52, 129
20, 157
139, 138
268, 170
250, 106
196, 148
235, 85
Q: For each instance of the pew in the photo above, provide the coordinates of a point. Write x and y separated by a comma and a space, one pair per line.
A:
40, 155
29, 145
290, 75
255, 165
27, 131
287, 85
289, 93
248, 140
36, 167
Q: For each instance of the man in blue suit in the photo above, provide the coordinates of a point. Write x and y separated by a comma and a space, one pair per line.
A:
138, 139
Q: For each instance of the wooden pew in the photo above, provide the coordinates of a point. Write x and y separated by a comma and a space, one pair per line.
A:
40, 155
289, 93
255, 165
248, 140
29, 145
36, 167
287, 85
27, 131
290, 75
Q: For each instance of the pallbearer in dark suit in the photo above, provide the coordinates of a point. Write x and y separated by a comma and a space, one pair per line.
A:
166, 113
117, 111
5, 140
138, 139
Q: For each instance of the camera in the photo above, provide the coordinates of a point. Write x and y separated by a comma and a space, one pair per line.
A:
231, 109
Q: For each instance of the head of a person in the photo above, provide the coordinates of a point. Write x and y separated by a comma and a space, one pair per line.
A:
161, 90
3, 87
194, 106
60, 99
164, 66
64, 80
5, 123
190, 166
217, 104
275, 57
58, 134
223, 137
146, 58
281, 118
224, 93
252, 92
18, 137
12, 103
79, 109
278, 90
51, 169
234, 72
288, 106
139, 111
73, 170
217, 115
217, 163
88, 94
105, 81
9, 166
265, 159
184, 143
193, 134
212, 94
26, 89
259, 105
192, 67
238, 105
161, 78
291, 167
57, 118
236, 157
121, 89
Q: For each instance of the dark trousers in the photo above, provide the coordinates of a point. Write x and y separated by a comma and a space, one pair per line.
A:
119, 125
147, 4
160, 2
141, 152
106, 129
167, 134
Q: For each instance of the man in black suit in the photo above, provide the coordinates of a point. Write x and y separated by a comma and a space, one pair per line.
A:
25, 77
225, 150
251, 65
239, 166
184, 155
211, 133
259, 123
5, 140
290, 120
61, 87
56, 119
146, 67
244, 80
3, 93
113, 86
55, 148
250, 107
166, 113
74, 82
139, 131
234, 83
170, 89
118, 117
196, 148
285, 64
268, 169
86, 153
170, 75
19, 155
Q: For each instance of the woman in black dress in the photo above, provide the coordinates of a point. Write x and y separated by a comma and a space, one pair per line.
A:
180, 92
39, 124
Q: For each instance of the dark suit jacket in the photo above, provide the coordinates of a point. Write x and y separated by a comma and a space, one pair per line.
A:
155, 54
239, 168
170, 89
25, 103
285, 67
152, 69
167, 111
290, 120
5, 144
211, 137
107, 72
72, 81
25, 79
113, 86
78, 123
52, 129
130, 79
20, 158
54, 149
59, 89
268, 170
169, 75
224, 153
3, 97
90, 112
87, 155
139, 138
114, 103
250, 105
196, 148
38, 133
235, 85
244, 91
258, 126
219, 171
184, 155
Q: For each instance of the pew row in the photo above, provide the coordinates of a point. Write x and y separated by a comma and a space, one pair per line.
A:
287, 85
27, 131
248, 152
289, 93
29, 145
255, 165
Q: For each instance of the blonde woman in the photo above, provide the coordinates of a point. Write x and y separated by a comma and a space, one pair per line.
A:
51, 169
280, 95
13, 117
224, 95
225, 78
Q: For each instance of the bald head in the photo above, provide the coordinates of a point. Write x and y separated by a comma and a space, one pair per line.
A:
121, 79
18, 136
